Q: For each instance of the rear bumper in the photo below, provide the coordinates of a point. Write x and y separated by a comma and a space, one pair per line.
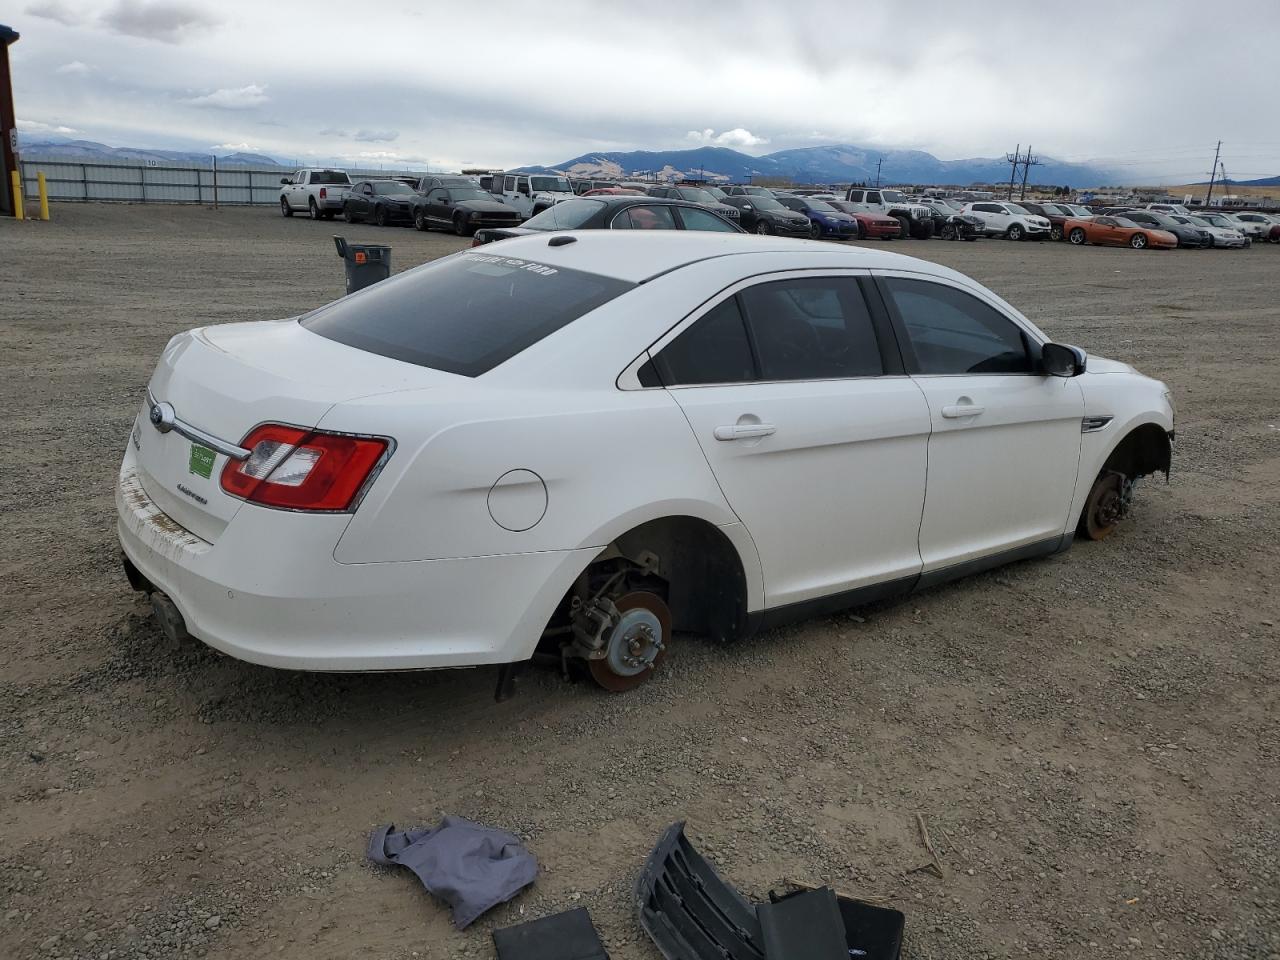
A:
270, 592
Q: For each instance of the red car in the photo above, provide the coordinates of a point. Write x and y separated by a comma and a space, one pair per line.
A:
874, 226
1116, 231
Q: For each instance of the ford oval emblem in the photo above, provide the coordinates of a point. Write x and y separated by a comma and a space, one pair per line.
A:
161, 416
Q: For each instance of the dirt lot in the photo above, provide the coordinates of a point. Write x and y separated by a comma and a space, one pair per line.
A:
1093, 739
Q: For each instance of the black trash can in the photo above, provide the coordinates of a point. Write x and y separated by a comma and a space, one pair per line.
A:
366, 263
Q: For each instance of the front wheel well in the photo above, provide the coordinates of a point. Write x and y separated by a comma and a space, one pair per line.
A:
706, 586
1144, 451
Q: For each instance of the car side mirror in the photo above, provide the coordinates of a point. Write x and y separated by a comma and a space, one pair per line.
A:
1060, 360
286, 180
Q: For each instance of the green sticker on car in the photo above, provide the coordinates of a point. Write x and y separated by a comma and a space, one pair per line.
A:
201, 463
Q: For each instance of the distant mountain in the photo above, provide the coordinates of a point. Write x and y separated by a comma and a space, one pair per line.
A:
89, 151
1263, 182
836, 163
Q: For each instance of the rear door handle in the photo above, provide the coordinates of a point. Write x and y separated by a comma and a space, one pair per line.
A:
956, 411
744, 431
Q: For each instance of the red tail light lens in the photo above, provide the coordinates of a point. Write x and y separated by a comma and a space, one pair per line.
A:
324, 193
302, 469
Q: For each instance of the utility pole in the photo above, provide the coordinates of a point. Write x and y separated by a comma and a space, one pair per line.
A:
1015, 158
1027, 163
1212, 173
878, 162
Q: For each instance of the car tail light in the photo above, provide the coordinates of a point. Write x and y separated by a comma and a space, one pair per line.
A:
298, 469
324, 192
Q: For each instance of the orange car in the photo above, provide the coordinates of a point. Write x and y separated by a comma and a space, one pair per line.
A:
1117, 232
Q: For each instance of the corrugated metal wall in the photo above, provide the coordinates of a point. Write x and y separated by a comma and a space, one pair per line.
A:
147, 183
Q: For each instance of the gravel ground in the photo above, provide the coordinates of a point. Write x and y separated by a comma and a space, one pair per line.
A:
1093, 739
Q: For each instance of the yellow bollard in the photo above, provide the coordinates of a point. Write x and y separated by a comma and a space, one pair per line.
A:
44, 196
18, 203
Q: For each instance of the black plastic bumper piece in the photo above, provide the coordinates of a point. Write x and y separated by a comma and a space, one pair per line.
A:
688, 911
563, 936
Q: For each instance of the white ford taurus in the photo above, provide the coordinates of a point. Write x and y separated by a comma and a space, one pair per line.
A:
592, 439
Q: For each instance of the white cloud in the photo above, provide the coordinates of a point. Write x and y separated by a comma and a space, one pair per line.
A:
36, 126
365, 136
737, 138
76, 68
240, 98
236, 147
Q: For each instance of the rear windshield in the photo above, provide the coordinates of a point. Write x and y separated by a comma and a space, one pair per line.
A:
566, 215
463, 314
329, 176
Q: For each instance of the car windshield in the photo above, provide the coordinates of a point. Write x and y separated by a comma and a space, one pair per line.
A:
391, 188
1198, 221
550, 184
820, 205
696, 194
758, 191
462, 193
717, 193
567, 215
956, 205
766, 203
463, 314
892, 196
330, 176
1014, 208
1123, 221
1078, 210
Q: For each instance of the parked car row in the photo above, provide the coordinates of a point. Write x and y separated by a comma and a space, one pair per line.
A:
499, 203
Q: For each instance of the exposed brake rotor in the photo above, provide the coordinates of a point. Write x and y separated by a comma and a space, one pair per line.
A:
1106, 506
635, 645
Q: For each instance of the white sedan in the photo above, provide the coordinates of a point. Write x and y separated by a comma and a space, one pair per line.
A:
594, 439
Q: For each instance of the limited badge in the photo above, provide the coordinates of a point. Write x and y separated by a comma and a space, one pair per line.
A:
201, 463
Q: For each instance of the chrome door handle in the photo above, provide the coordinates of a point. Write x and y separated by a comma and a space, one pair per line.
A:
744, 431
956, 411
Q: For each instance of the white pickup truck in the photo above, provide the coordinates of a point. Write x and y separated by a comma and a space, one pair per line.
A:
319, 192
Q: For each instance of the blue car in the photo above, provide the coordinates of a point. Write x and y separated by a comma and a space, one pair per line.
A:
825, 221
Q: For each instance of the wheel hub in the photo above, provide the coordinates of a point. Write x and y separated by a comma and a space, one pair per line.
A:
635, 645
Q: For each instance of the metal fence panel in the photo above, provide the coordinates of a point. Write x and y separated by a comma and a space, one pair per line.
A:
133, 182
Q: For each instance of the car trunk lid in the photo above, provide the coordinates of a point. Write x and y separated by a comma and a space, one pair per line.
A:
223, 381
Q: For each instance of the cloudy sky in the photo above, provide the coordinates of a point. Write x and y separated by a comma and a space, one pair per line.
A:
1146, 85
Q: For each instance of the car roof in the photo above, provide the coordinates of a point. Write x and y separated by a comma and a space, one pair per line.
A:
639, 255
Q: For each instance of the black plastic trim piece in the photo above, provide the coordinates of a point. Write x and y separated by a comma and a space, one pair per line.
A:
832, 603
1041, 548
688, 910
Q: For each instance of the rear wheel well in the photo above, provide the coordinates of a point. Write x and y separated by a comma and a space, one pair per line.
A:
1145, 450
692, 562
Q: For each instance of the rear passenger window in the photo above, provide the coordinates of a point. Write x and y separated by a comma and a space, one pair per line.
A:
812, 329
713, 350
645, 218
953, 332
695, 219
